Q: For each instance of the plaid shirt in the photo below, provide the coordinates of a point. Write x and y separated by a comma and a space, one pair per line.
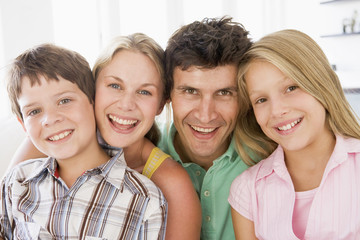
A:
107, 202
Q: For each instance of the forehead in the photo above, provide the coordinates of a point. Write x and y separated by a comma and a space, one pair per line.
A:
131, 67
216, 78
30, 89
260, 71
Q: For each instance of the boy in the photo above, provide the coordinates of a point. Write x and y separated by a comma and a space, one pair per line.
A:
78, 192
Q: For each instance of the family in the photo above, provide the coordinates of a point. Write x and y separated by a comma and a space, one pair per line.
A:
260, 141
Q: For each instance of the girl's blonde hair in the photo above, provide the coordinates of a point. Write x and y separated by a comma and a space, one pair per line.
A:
300, 58
137, 42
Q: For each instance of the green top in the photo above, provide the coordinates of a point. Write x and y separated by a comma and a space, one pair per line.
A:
212, 186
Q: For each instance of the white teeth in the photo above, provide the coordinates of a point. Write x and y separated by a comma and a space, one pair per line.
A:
122, 121
60, 136
289, 126
203, 130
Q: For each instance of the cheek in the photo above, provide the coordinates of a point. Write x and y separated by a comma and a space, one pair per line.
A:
260, 117
103, 98
178, 108
150, 107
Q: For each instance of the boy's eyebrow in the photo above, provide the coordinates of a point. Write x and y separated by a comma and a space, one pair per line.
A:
56, 96
27, 106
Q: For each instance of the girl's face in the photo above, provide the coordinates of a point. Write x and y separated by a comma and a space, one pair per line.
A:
286, 114
128, 97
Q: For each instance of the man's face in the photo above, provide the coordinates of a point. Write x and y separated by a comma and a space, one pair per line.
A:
205, 108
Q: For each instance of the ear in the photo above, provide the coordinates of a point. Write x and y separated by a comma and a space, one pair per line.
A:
21, 122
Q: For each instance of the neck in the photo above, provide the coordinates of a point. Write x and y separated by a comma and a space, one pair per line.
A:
137, 154
72, 168
306, 167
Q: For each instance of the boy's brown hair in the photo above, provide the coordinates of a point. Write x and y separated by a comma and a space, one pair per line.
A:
49, 61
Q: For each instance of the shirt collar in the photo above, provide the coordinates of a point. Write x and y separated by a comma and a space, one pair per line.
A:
106, 170
113, 170
46, 166
343, 146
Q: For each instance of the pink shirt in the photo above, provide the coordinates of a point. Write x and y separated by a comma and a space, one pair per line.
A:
265, 194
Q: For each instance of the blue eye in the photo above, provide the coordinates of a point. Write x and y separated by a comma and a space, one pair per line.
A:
114, 85
144, 92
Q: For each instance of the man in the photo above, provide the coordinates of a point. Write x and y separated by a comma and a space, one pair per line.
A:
201, 67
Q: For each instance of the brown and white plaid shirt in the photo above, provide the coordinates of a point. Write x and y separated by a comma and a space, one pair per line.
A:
107, 202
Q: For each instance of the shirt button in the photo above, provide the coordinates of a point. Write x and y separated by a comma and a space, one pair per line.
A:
208, 218
198, 173
207, 193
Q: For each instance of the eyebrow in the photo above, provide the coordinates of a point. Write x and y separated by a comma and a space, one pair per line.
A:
235, 89
122, 81
56, 95
231, 88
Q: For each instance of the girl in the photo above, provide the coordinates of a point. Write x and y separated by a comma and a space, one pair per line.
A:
294, 114
130, 92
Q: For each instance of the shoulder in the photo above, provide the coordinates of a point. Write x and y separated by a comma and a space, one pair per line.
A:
247, 178
347, 144
27, 168
172, 179
170, 170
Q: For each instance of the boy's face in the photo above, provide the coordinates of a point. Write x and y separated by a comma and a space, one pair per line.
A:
205, 108
58, 117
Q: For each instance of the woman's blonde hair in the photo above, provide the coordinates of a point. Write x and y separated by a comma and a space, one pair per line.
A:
300, 58
137, 42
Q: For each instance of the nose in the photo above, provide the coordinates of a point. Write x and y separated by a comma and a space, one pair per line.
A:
51, 117
126, 102
206, 110
279, 107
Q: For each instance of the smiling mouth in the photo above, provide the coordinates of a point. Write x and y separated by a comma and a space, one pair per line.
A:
126, 123
60, 136
290, 125
202, 130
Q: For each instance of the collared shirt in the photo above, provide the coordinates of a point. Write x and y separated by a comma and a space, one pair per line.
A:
265, 194
107, 202
212, 187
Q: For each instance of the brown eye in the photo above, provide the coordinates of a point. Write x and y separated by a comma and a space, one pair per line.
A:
190, 91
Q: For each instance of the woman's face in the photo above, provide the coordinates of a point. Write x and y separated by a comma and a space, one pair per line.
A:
129, 94
287, 114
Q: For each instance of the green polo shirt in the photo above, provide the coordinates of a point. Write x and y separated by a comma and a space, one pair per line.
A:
212, 186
